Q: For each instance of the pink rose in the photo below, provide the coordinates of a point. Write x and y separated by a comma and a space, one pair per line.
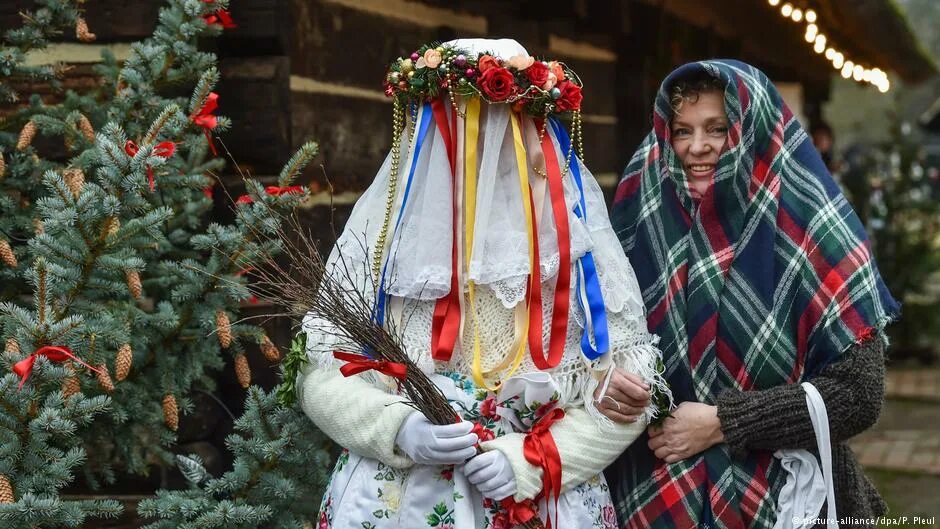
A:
488, 408
570, 97
520, 62
610, 517
432, 58
486, 62
537, 74
556, 69
550, 81
498, 84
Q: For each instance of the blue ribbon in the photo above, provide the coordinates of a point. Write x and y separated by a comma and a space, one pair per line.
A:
587, 283
378, 314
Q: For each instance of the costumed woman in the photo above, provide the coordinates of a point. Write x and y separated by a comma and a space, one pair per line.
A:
485, 244
758, 277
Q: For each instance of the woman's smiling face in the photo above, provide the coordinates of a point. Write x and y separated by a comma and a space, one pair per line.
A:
699, 132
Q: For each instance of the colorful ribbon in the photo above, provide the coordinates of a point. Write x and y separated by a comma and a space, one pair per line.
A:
559, 324
446, 320
55, 353
540, 450
356, 363
588, 286
424, 125
205, 119
164, 150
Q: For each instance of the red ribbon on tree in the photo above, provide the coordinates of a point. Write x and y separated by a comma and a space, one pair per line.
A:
274, 191
221, 17
164, 150
55, 353
205, 119
356, 363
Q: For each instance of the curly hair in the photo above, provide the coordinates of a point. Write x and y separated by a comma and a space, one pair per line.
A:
690, 87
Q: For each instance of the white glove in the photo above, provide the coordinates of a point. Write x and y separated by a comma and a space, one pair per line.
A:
430, 444
492, 474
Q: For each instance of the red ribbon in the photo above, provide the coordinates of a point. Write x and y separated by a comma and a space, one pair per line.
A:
274, 191
164, 150
446, 319
55, 353
221, 17
539, 449
356, 363
559, 326
205, 119
519, 512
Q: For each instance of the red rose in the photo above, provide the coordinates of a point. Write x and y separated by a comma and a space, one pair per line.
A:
485, 62
488, 407
537, 73
570, 97
483, 434
497, 84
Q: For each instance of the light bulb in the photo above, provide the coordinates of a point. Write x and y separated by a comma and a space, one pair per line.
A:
846, 71
787, 9
819, 48
866, 76
810, 16
773, 3
838, 60
830, 53
821, 41
858, 72
797, 15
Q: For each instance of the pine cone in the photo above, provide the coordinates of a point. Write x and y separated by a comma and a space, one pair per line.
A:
3, 166
26, 136
269, 350
87, 130
171, 412
242, 371
7, 255
74, 180
133, 282
38, 227
111, 226
122, 362
12, 348
6, 490
224, 328
104, 378
81, 31
71, 385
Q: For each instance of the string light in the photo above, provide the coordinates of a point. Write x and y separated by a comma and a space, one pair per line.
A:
799, 13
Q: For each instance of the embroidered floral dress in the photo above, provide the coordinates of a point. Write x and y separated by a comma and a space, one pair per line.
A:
364, 493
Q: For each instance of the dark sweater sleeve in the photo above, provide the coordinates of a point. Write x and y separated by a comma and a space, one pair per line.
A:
777, 418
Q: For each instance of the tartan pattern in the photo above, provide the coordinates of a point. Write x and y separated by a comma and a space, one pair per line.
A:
764, 282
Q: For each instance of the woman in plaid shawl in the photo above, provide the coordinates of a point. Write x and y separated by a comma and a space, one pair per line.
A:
757, 275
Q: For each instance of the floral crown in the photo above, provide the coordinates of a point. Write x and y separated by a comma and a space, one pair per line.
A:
537, 87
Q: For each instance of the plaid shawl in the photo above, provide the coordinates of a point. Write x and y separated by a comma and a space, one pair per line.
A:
765, 281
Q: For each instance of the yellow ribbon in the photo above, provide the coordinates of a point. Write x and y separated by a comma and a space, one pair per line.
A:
520, 313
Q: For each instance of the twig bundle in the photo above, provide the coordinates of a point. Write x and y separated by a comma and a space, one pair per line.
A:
304, 284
